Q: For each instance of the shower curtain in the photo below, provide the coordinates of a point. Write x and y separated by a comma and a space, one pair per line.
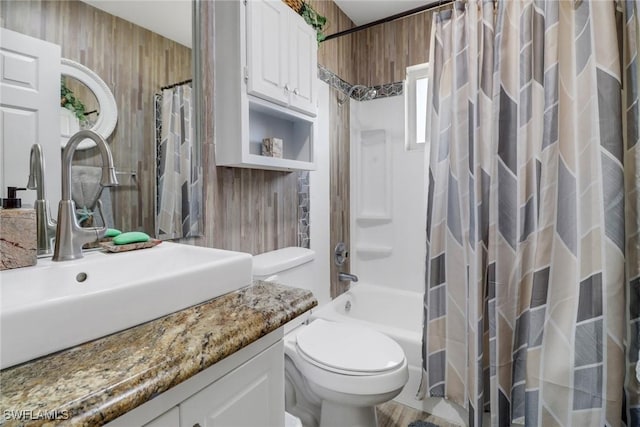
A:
533, 262
179, 174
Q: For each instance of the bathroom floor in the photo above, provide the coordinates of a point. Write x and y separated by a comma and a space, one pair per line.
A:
393, 414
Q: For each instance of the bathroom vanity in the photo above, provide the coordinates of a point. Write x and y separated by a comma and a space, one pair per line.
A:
218, 361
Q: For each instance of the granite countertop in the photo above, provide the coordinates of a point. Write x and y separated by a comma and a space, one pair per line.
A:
98, 381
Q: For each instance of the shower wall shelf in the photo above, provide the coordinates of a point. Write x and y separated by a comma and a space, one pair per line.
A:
373, 176
373, 251
265, 79
366, 222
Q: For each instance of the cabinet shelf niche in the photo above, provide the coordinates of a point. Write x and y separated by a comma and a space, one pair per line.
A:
296, 132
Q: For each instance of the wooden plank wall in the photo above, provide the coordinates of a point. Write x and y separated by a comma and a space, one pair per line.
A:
337, 56
383, 52
246, 210
339, 186
134, 63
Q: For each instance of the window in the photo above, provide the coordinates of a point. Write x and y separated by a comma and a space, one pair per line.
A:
415, 95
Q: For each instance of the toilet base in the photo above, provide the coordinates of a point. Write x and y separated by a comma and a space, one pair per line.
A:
349, 410
300, 400
334, 414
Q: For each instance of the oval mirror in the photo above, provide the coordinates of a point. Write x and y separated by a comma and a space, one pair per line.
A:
102, 121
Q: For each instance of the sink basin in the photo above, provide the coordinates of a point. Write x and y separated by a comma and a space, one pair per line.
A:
57, 305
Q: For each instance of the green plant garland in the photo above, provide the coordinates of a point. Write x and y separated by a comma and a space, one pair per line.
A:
313, 18
69, 101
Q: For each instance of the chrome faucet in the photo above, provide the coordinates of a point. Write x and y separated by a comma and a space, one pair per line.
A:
347, 277
46, 226
69, 235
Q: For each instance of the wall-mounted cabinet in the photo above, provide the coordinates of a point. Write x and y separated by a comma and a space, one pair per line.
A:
265, 84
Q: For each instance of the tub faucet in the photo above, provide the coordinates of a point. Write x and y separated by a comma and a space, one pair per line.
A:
69, 235
347, 277
46, 226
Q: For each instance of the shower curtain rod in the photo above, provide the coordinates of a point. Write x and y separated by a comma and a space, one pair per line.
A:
176, 84
404, 14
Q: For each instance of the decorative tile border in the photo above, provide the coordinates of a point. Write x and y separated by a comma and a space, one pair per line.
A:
304, 233
333, 80
157, 117
382, 91
389, 89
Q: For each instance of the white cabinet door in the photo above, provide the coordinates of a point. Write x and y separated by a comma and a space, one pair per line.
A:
249, 396
29, 111
303, 68
267, 50
171, 418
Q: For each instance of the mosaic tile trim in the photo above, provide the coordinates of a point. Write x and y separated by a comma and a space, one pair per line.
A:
389, 89
382, 91
157, 117
333, 80
304, 234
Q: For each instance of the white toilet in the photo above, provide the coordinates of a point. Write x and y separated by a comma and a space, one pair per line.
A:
336, 373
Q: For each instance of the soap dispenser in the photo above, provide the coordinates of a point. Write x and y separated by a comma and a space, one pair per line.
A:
11, 201
18, 244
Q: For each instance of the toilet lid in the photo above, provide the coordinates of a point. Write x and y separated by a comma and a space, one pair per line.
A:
347, 347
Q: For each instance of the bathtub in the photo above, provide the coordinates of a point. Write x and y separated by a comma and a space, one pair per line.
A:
397, 314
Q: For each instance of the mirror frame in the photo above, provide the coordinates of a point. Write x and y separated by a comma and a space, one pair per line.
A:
196, 78
108, 116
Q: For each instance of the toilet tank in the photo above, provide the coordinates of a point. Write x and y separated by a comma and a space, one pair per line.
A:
291, 266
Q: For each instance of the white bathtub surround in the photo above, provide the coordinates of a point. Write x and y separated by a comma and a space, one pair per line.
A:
388, 249
319, 201
388, 201
397, 314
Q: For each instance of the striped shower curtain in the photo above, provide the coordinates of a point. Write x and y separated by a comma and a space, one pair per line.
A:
179, 173
532, 299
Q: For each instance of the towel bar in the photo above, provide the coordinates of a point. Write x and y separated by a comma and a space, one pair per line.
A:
132, 174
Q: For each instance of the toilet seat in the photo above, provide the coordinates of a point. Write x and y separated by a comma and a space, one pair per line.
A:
338, 380
348, 349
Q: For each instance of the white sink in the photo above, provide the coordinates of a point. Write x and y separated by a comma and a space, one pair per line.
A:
56, 305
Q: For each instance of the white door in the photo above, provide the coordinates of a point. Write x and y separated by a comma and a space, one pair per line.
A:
249, 396
29, 112
267, 60
303, 68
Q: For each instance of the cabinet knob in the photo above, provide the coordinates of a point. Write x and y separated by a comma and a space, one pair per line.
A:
296, 92
196, 425
287, 88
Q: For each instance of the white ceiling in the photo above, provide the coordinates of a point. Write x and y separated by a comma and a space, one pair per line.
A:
170, 18
365, 11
